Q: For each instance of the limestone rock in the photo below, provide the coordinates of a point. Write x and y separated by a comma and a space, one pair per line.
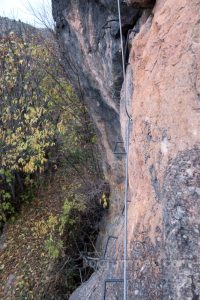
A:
90, 41
163, 91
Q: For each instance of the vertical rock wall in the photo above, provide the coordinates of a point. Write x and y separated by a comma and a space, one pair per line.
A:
164, 172
90, 43
163, 89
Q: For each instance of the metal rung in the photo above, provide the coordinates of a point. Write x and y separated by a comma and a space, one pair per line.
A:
118, 98
120, 153
109, 238
114, 280
115, 149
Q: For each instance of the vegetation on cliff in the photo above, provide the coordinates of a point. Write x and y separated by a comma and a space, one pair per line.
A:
49, 173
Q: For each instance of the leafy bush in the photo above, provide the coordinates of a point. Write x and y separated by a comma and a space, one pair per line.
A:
41, 120
43, 127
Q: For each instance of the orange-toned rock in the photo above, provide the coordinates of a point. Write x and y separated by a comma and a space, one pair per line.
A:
164, 161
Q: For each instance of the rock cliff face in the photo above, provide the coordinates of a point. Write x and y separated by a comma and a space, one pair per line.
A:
163, 90
89, 35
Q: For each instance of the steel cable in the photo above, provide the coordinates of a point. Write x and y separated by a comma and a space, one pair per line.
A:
127, 153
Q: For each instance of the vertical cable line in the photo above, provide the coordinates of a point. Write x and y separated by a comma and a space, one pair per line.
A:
126, 212
127, 153
126, 142
123, 58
